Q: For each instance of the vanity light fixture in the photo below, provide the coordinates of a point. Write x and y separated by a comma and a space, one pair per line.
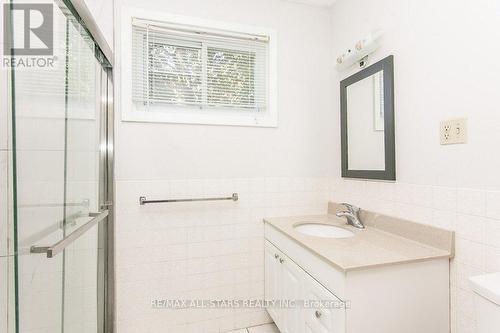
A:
359, 53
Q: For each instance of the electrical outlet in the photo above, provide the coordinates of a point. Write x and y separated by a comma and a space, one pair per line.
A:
453, 131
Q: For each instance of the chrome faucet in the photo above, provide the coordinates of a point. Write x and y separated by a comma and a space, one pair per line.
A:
352, 215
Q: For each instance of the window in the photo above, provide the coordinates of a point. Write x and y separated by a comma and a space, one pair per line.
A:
200, 74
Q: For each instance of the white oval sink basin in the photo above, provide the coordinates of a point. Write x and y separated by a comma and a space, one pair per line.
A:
323, 230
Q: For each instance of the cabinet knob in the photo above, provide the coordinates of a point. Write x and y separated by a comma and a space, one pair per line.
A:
282, 260
276, 256
317, 313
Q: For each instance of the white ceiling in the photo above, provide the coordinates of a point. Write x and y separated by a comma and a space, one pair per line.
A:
322, 3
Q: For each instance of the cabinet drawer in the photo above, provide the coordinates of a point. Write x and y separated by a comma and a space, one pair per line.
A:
318, 311
325, 312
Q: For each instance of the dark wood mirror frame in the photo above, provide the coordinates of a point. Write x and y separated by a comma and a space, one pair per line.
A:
387, 66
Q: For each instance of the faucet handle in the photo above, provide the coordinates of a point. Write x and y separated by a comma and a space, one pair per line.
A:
353, 209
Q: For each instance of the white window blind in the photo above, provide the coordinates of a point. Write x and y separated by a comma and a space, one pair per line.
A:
178, 65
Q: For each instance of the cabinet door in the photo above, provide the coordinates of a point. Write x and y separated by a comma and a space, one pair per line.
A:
291, 295
272, 277
325, 313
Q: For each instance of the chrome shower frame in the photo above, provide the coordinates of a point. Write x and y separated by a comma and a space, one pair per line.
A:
106, 191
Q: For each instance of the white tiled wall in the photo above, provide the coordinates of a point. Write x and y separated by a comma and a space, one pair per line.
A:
474, 214
199, 250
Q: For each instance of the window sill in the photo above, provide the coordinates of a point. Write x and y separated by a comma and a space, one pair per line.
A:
205, 117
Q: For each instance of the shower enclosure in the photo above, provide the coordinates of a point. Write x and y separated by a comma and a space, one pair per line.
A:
60, 276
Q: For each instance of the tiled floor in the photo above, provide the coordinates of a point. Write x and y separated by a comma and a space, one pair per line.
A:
268, 328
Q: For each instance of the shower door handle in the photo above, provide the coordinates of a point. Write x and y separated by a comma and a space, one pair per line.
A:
63, 243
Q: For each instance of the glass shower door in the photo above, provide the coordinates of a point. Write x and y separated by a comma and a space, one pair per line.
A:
59, 181
83, 274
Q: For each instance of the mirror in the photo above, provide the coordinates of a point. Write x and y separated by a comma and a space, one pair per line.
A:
367, 122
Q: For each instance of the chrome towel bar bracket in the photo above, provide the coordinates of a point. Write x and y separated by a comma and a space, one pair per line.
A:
143, 200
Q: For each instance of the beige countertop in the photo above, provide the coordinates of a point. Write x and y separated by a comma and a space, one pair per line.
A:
384, 241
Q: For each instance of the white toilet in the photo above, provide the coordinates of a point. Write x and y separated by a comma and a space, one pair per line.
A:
487, 299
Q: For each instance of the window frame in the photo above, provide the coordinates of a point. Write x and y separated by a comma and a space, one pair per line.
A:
187, 114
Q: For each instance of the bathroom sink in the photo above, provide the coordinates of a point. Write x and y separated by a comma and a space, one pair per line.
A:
323, 230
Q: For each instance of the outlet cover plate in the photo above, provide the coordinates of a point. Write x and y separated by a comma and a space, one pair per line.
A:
453, 131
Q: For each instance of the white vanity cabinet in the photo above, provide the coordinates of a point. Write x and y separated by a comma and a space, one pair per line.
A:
411, 297
289, 284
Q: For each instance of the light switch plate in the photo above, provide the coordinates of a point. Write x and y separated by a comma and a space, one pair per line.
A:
453, 131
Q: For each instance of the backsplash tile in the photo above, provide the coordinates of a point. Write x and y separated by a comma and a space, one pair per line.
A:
492, 233
474, 215
444, 219
492, 259
493, 205
471, 202
444, 198
471, 227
